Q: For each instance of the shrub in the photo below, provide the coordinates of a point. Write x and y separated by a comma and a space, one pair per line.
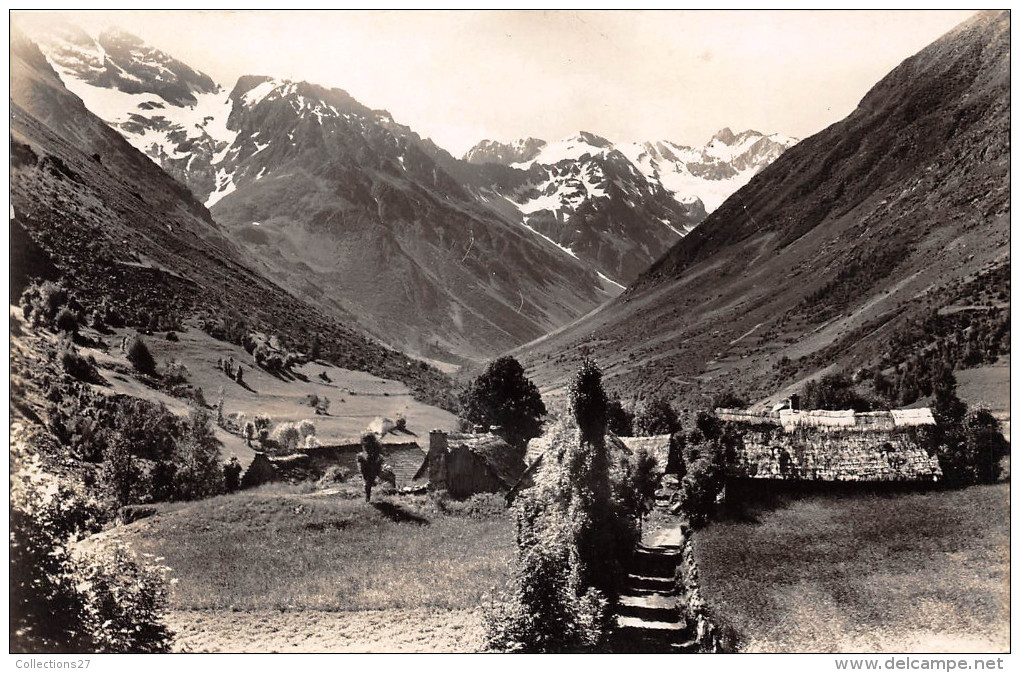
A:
66, 321
334, 474
503, 397
312, 400
657, 418
239, 375
172, 336
322, 408
141, 357
40, 303
65, 599
77, 365
175, 373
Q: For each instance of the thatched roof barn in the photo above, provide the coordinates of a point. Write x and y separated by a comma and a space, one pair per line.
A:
832, 446
465, 464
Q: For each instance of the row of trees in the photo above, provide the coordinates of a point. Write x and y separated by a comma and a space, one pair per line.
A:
504, 399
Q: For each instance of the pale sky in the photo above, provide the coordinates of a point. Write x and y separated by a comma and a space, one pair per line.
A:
459, 77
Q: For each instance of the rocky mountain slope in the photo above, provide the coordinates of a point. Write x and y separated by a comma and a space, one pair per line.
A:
620, 206
118, 231
826, 255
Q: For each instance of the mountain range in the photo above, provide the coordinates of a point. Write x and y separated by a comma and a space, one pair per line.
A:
827, 257
449, 258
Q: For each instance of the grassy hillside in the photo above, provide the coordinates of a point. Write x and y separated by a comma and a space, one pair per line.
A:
924, 572
356, 398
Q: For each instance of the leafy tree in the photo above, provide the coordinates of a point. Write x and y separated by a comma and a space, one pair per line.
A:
370, 462
197, 457
122, 475
287, 435
657, 418
619, 419
728, 400
834, 392
502, 396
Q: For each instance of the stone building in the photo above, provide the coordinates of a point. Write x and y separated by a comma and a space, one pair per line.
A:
465, 464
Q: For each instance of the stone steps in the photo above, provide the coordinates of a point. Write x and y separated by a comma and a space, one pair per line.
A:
647, 617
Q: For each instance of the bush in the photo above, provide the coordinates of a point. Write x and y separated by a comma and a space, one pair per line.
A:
66, 321
322, 408
334, 474
140, 357
77, 365
502, 397
40, 303
66, 599
172, 336
657, 418
175, 373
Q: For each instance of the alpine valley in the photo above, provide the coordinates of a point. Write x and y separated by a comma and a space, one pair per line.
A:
453, 259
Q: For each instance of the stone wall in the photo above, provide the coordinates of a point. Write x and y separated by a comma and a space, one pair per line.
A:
692, 606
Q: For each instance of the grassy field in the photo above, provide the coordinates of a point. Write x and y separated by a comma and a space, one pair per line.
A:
864, 573
274, 550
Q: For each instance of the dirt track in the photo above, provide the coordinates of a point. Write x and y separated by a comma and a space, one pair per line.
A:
308, 631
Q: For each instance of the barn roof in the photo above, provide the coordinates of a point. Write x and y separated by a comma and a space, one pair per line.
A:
500, 457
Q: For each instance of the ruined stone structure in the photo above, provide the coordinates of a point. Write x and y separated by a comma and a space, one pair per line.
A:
402, 458
832, 446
